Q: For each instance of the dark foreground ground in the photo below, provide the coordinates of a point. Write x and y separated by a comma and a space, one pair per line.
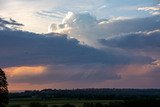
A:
87, 98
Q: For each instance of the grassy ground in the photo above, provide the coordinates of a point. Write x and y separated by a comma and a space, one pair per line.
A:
76, 102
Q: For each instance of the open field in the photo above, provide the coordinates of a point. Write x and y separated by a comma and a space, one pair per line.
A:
78, 103
87, 98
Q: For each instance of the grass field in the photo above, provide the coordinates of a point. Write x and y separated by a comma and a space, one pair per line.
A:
78, 103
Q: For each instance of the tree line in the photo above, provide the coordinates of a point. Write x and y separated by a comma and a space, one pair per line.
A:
90, 94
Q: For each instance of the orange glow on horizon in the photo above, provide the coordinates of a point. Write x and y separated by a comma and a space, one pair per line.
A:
25, 70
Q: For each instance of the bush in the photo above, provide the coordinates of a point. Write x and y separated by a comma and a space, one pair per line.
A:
68, 105
99, 105
55, 106
116, 104
15, 106
34, 104
143, 103
88, 105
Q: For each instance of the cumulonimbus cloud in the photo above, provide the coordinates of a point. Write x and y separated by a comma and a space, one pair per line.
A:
87, 28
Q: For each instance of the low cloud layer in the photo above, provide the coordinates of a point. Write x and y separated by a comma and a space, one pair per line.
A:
63, 73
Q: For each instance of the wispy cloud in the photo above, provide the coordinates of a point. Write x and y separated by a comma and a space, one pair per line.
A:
154, 10
9, 24
54, 15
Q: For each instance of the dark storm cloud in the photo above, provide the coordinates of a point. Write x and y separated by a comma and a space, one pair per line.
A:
118, 27
140, 40
24, 48
65, 58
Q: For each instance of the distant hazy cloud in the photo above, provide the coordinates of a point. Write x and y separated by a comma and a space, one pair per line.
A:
64, 73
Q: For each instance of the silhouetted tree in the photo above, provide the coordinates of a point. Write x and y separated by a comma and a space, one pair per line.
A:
3, 89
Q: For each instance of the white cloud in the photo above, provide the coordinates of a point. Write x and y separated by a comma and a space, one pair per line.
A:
149, 8
154, 10
78, 25
87, 28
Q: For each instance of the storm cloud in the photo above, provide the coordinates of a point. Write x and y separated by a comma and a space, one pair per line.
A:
138, 40
61, 59
25, 48
38, 59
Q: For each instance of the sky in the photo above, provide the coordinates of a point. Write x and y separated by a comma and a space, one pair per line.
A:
80, 43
